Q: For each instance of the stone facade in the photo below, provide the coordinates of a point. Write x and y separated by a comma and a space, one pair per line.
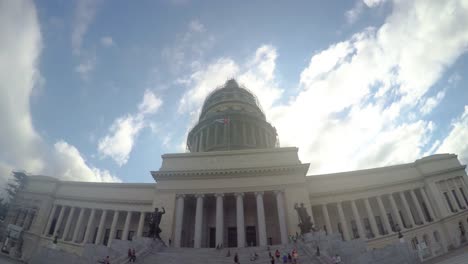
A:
246, 197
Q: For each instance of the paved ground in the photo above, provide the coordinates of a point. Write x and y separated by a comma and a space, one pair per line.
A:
6, 260
459, 256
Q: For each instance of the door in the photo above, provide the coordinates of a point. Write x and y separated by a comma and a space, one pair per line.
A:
212, 241
232, 236
251, 236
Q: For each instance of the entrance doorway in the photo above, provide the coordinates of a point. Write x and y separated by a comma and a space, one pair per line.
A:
212, 240
232, 236
251, 236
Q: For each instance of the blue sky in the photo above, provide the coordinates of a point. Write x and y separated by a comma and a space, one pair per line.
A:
99, 90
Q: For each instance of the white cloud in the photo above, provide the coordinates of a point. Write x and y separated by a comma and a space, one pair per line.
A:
107, 41
355, 98
196, 26
187, 51
85, 68
373, 3
84, 15
432, 102
456, 141
352, 115
124, 130
22, 147
72, 164
353, 14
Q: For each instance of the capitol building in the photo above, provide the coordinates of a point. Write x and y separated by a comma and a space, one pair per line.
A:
236, 187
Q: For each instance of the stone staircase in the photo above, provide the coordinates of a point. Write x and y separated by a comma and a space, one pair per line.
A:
169, 255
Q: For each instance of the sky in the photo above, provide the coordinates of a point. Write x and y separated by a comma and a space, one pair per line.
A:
98, 90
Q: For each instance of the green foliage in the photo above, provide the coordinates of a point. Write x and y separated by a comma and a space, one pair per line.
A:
3, 208
17, 183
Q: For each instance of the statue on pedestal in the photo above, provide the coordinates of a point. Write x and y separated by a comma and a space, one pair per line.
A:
154, 221
305, 222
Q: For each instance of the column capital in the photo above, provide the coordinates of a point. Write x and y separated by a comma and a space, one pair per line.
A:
259, 193
199, 195
219, 194
276, 192
239, 194
180, 195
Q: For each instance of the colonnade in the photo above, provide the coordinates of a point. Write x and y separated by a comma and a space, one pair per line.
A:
24, 217
385, 220
455, 194
219, 218
84, 219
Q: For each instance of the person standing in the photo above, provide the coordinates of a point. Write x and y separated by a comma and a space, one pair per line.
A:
272, 260
277, 255
236, 258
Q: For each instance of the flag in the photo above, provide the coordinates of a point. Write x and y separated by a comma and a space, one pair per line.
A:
223, 120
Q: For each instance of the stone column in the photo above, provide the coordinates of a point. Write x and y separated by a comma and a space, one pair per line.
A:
262, 236
384, 216
371, 217
418, 206
201, 143
344, 224
89, 226
113, 228
178, 221
219, 219
407, 208
254, 136
244, 134
451, 197
51, 218
240, 219
68, 223
127, 225
141, 224
59, 221
396, 212
327, 219
281, 217
459, 195
357, 218
198, 221
101, 227
216, 132
78, 225
428, 204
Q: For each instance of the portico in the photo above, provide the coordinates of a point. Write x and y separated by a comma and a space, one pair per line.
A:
228, 221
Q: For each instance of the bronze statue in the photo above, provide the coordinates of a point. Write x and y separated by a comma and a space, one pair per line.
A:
154, 221
305, 222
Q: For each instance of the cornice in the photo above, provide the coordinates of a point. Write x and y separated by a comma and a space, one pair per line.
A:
229, 152
237, 172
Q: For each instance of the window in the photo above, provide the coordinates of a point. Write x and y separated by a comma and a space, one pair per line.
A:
367, 226
464, 195
414, 243
436, 236
448, 202
130, 235
457, 200
391, 222
354, 229
118, 234
378, 220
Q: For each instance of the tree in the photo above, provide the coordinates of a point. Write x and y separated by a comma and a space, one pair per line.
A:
3, 208
17, 183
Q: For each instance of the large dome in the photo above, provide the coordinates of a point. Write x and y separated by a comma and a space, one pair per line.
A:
231, 118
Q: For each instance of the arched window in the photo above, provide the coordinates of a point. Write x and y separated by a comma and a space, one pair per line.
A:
436, 236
